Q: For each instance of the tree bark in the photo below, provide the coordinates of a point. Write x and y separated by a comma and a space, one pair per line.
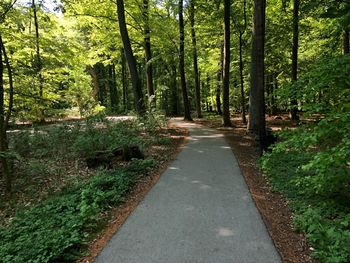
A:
187, 113
6, 171
257, 123
135, 79
346, 46
9, 72
218, 92
113, 87
38, 62
195, 60
148, 51
241, 69
174, 93
294, 102
227, 59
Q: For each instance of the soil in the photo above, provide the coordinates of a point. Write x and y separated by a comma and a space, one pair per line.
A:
117, 216
273, 208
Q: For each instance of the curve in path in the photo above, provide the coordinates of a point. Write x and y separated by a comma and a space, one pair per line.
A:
200, 211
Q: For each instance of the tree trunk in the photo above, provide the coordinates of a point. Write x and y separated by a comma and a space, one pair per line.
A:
195, 60
6, 171
241, 69
38, 62
113, 87
218, 93
147, 46
227, 59
124, 82
187, 113
9, 72
135, 79
346, 40
294, 102
257, 124
174, 93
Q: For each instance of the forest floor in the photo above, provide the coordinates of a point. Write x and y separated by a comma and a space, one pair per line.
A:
291, 245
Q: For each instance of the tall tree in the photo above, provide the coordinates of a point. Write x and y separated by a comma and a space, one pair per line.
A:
195, 60
187, 113
227, 60
241, 30
294, 102
257, 122
6, 171
147, 46
135, 79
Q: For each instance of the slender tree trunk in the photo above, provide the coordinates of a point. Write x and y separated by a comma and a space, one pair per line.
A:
227, 59
135, 79
257, 123
174, 93
346, 41
195, 60
241, 69
112, 87
187, 114
9, 72
38, 62
148, 52
124, 82
294, 102
218, 92
6, 171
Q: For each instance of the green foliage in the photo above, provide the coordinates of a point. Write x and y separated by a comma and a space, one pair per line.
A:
55, 229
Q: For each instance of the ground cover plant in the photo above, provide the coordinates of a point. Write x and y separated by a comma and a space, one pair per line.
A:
57, 202
310, 166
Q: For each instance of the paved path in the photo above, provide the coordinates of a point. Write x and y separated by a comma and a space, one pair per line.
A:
200, 211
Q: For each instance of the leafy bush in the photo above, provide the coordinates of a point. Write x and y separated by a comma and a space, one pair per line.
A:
310, 167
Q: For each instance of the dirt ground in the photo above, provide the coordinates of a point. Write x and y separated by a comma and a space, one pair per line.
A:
291, 245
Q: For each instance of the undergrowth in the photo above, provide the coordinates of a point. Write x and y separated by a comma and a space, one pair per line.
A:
310, 167
58, 204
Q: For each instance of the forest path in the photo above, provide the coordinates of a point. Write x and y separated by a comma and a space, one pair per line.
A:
199, 211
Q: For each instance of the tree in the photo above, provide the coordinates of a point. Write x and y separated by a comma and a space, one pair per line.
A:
135, 79
148, 52
294, 102
187, 113
257, 123
195, 60
227, 59
6, 170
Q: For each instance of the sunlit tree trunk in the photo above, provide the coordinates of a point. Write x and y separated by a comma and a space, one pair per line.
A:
294, 102
195, 60
38, 61
257, 123
135, 79
187, 113
148, 52
226, 77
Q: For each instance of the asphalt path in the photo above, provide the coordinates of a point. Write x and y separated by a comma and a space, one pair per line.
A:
200, 211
